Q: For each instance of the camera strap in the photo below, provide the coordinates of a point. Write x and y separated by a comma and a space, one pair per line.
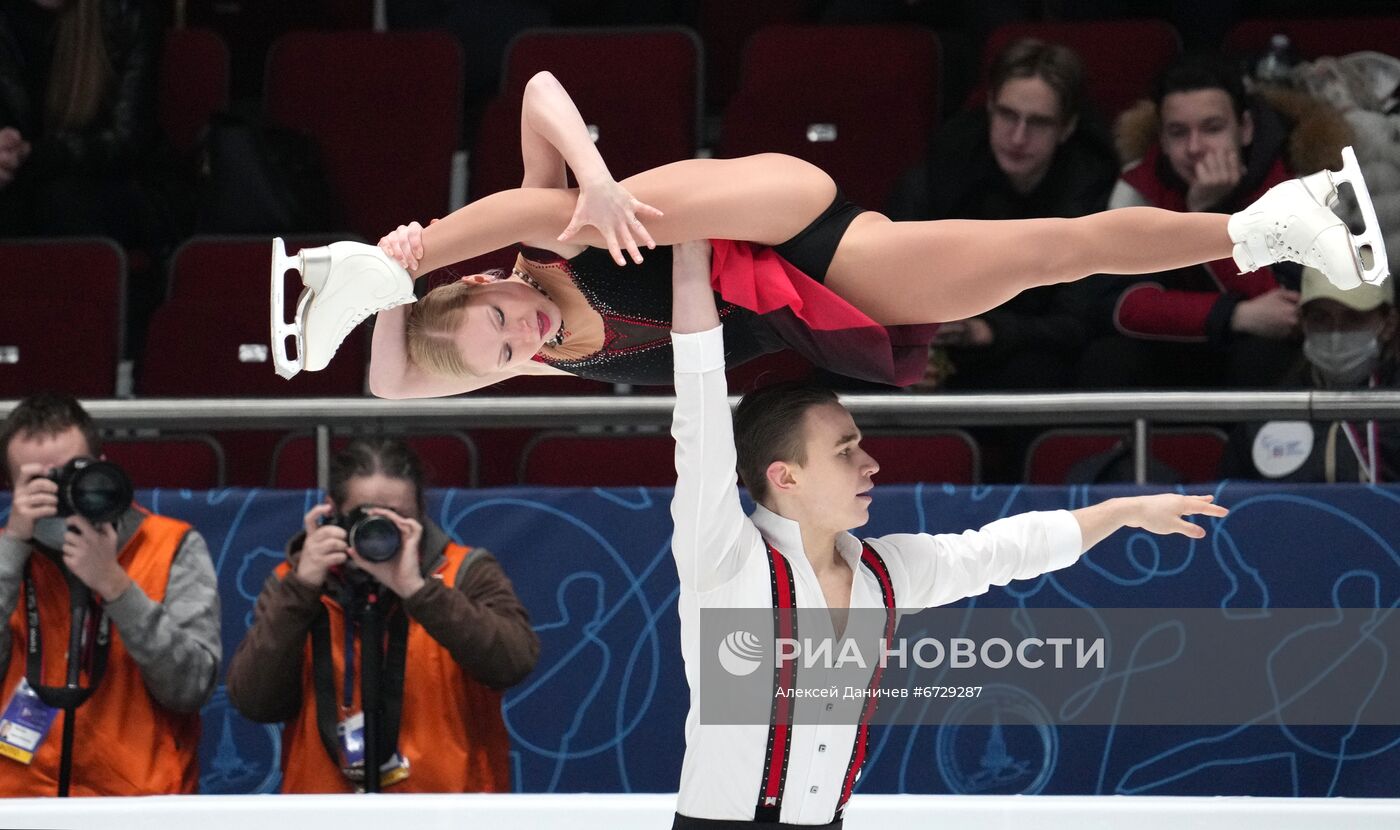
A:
93, 644
323, 677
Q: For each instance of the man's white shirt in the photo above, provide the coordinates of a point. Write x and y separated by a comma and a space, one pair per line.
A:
722, 562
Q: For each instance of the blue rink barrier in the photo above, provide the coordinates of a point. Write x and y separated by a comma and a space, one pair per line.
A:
604, 711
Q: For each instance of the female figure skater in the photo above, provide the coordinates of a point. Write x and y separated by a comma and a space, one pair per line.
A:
794, 264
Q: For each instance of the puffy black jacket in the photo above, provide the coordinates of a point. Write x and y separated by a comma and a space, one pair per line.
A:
124, 130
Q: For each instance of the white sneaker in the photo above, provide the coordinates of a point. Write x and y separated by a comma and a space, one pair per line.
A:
1294, 222
345, 283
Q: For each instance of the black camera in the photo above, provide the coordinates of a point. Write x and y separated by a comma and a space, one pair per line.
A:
375, 538
99, 491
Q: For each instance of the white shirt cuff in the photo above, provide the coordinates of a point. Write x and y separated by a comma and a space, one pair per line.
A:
1064, 539
700, 352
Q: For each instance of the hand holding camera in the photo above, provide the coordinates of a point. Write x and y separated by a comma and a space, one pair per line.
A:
71, 511
371, 538
35, 497
324, 548
90, 553
379, 542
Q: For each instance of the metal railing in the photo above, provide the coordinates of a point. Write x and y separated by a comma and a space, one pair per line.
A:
1136, 409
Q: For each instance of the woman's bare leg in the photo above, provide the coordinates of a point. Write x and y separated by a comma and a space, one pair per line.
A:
767, 198
929, 272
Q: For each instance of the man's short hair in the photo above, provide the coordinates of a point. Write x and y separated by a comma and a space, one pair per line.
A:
1197, 72
768, 428
1058, 66
48, 413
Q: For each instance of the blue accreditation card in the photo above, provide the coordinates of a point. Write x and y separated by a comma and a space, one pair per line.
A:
24, 724
352, 749
352, 739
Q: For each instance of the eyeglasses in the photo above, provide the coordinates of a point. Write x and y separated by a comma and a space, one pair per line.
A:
1009, 119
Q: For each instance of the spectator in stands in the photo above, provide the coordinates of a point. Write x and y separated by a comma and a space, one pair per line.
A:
77, 120
1203, 145
456, 636
150, 657
1031, 152
1350, 341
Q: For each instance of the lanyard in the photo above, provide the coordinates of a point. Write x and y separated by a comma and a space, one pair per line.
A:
323, 674
87, 650
1369, 458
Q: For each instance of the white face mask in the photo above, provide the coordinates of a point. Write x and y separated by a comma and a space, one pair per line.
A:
1343, 358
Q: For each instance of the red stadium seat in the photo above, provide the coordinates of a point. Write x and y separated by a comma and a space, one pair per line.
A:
857, 101
385, 111
210, 339
208, 266
449, 459
194, 84
195, 462
62, 316
1121, 58
500, 451
947, 456
1192, 452
248, 26
639, 88
1320, 37
725, 27
570, 459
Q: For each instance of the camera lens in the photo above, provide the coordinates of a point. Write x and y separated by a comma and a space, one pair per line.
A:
99, 491
376, 538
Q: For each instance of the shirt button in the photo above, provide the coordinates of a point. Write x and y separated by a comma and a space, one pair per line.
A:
821, 748
814, 789
828, 706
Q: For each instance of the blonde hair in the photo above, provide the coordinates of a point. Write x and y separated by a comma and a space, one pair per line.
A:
432, 322
82, 69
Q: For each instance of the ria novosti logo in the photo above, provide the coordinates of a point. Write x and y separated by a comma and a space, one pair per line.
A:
740, 653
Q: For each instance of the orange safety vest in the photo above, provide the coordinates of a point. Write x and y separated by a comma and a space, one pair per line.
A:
126, 743
452, 732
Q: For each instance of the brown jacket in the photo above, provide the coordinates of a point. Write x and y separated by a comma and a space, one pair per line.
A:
479, 621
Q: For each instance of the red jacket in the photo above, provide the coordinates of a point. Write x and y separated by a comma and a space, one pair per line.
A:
1190, 304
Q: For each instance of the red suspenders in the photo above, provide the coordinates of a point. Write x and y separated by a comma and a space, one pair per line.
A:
770, 791
871, 560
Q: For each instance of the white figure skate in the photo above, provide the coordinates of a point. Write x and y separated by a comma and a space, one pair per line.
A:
1294, 222
345, 283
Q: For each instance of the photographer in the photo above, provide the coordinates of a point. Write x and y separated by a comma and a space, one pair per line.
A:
454, 635
148, 653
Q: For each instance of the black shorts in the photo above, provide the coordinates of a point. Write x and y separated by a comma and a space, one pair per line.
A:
813, 248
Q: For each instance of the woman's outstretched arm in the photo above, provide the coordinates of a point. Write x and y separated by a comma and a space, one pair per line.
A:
543, 161
553, 139
553, 135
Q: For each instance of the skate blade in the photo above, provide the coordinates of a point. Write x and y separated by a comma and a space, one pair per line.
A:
283, 363
1369, 244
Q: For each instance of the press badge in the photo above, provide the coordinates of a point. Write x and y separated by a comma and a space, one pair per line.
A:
352, 750
352, 740
24, 724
